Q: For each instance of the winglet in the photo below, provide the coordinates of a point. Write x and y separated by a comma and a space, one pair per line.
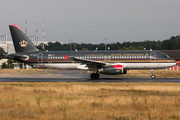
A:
65, 57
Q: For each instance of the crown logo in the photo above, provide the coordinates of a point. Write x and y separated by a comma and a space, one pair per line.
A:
23, 43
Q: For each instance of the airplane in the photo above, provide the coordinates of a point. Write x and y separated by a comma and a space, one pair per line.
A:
104, 62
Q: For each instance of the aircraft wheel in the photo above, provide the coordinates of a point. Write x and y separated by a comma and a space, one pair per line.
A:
97, 75
93, 76
153, 76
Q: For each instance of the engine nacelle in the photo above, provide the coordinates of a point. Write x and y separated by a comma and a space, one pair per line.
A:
113, 70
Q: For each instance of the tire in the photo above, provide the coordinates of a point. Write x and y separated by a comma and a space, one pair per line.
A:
97, 75
152, 76
93, 76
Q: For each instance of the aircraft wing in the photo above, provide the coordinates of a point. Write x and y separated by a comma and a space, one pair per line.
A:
88, 63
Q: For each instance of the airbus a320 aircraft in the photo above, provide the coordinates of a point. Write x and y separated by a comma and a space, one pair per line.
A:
105, 62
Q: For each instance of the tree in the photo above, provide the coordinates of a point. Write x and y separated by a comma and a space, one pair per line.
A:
7, 64
40, 48
4, 65
84, 49
124, 48
172, 43
2, 53
140, 48
131, 48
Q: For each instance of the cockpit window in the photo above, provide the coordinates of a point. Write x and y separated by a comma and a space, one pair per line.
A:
165, 56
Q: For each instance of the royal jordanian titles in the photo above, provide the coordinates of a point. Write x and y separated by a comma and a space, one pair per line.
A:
104, 62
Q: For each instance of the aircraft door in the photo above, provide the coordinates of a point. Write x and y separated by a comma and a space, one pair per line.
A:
40, 58
153, 57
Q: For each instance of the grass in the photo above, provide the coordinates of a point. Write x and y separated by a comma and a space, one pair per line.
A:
90, 101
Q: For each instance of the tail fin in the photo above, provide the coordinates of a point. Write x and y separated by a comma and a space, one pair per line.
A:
21, 42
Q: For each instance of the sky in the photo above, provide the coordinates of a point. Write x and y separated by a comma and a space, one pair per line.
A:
90, 21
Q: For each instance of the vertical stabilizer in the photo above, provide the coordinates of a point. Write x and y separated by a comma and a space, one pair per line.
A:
21, 42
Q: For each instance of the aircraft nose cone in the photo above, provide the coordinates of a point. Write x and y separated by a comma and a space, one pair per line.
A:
175, 62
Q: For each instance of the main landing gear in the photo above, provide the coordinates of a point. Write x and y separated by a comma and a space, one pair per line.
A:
94, 75
152, 76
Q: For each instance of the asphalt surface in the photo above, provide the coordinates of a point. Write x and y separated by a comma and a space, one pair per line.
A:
76, 76
101, 79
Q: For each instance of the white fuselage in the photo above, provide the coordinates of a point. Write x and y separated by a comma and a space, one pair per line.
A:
152, 65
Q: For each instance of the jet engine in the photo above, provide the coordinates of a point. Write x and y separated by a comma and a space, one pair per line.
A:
113, 70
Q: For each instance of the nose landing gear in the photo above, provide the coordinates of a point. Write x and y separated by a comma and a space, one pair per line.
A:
152, 76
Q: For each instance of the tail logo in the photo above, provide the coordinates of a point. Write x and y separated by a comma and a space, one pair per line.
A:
23, 43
